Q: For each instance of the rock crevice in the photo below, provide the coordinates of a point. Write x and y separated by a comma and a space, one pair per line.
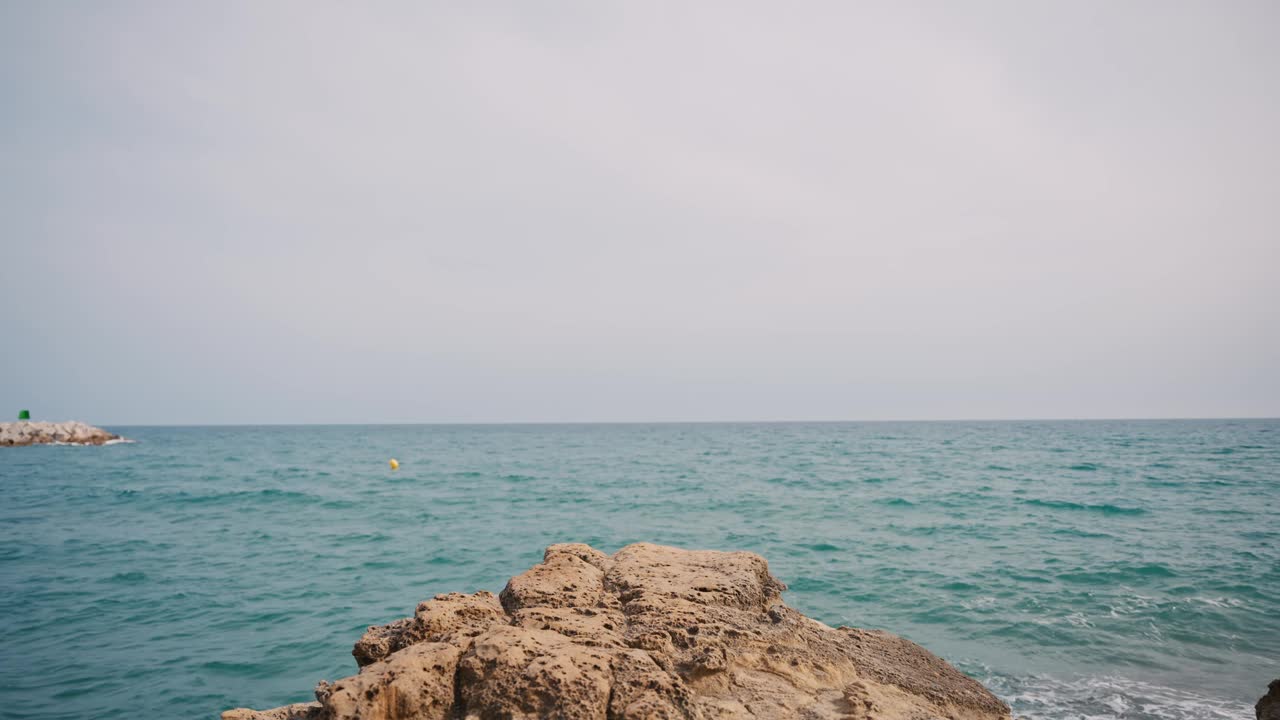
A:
650, 632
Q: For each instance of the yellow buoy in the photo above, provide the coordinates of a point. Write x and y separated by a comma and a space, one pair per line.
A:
395, 464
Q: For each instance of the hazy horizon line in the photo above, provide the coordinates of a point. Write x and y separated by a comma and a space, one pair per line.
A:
689, 422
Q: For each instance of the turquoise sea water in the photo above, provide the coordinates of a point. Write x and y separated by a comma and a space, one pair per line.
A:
1126, 569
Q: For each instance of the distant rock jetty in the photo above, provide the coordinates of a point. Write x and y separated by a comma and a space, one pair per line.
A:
43, 433
650, 632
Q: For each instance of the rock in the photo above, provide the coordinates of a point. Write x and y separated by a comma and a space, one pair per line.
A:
1268, 707
298, 711
39, 433
453, 618
416, 682
652, 632
514, 671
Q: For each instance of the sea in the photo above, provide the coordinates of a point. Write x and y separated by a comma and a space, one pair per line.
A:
1099, 570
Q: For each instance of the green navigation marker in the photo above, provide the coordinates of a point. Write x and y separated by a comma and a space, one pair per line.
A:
24, 414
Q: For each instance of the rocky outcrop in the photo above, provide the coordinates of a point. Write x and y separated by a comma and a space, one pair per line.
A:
41, 433
1268, 707
651, 632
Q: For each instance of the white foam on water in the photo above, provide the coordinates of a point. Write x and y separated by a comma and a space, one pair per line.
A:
1219, 602
1041, 697
117, 441
982, 603
1078, 619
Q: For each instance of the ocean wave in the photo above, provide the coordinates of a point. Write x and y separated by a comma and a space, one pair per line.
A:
1219, 602
1104, 508
238, 496
131, 578
117, 441
1040, 697
1080, 532
1120, 573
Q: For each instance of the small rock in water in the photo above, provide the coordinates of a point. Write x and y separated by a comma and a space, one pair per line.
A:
1268, 707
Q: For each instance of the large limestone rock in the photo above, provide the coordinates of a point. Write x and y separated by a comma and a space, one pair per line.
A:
650, 633
38, 433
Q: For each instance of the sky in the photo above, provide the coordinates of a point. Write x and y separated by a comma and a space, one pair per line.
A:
319, 212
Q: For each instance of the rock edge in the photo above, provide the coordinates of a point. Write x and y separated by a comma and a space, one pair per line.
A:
26, 432
651, 632
1268, 707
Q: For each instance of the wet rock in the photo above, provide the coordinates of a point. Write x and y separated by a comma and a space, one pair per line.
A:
1268, 707
650, 632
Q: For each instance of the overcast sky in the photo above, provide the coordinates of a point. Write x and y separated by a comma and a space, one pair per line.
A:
255, 212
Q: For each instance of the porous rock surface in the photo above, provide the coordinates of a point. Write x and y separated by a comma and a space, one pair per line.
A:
39, 433
649, 633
